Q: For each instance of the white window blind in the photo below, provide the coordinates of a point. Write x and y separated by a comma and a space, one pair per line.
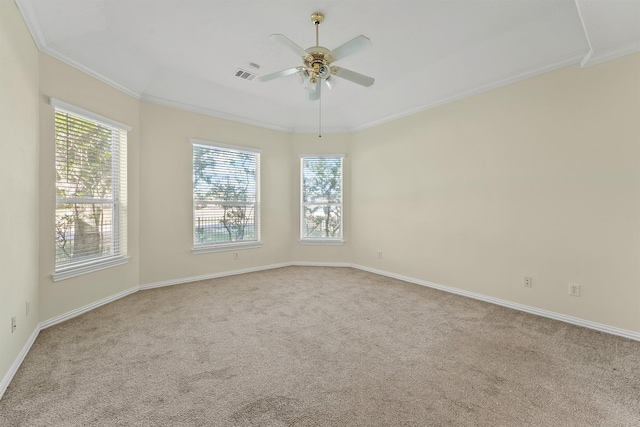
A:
226, 197
321, 207
91, 194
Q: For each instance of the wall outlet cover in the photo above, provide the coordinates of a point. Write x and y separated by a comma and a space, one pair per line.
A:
574, 289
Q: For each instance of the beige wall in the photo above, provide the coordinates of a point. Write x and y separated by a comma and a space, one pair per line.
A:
540, 178
60, 81
166, 199
19, 189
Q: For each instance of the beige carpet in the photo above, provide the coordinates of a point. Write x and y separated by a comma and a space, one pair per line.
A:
310, 346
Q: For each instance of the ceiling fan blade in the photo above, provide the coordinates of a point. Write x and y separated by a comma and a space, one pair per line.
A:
350, 47
283, 73
285, 41
352, 76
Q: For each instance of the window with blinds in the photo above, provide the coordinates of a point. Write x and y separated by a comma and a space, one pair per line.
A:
90, 218
226, 196
321, 207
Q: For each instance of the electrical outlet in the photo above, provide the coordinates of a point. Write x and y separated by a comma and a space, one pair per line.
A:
574, 289
379, 254
528, 282
235, 255
13, 324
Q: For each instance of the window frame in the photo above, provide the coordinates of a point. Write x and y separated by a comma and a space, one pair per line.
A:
234, 245
330, 241
118, 199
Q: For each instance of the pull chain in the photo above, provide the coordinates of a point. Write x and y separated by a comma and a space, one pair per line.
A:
320, 109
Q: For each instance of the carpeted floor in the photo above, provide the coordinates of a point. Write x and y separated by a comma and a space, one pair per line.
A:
312, 346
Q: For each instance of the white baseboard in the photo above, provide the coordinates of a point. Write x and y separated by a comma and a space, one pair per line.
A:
53, 321
16, 363
321, 264
77, 312
524, 308
521, 307
211, 276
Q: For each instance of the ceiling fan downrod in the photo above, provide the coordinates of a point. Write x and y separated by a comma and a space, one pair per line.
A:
317, 19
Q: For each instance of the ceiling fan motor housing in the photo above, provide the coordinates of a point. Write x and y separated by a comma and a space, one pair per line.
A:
318, 61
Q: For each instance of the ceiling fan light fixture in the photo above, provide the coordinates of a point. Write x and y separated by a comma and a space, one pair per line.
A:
318, 60
310, 83
331, 82
324, 71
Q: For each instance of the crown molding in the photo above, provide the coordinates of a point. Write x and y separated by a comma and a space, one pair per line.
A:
584, 58
61, 55
210, 112
593, 58
483, 87
29, 15
30, 18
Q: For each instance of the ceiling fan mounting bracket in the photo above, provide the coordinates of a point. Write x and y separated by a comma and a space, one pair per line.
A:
317, 18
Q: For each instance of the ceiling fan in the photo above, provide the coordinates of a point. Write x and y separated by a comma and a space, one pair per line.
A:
317, 62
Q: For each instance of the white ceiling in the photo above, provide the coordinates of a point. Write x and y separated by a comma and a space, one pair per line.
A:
185, 53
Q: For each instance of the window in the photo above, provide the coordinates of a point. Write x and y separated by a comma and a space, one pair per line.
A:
91, 189
321, 207
226, 197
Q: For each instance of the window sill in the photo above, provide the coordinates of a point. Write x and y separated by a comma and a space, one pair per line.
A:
88, 267
322, 242
225, 247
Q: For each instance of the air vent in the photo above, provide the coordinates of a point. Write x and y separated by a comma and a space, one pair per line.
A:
244, 74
